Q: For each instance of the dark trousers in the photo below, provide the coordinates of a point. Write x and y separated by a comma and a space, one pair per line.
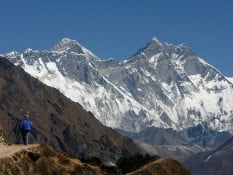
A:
25, 136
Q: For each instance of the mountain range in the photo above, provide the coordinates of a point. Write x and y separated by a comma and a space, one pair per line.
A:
162, 85
164, 97
179, 145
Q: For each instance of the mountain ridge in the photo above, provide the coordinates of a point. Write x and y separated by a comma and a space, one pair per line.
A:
178, 145
215, 162
57, 121
162, 85
230, 79
67, 44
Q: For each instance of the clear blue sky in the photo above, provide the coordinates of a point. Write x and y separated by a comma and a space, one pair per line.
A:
118, 28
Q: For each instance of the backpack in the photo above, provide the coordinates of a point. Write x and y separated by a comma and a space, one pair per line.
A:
26, 125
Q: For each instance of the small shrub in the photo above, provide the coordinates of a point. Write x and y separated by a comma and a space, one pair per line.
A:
135, 162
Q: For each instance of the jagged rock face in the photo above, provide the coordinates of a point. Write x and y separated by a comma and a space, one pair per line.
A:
162, 85
58, 121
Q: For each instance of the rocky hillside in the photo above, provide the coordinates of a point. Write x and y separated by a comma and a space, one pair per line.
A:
163, 167
217, 162
41, 159
57, 120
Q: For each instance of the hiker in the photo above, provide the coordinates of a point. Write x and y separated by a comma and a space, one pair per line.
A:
25, 127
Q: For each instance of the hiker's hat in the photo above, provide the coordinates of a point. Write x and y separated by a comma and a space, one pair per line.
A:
26, 114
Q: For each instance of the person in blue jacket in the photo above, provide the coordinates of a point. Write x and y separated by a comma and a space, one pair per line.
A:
25, 127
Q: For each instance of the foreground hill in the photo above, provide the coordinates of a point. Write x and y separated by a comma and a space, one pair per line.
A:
41, 159
217, 162
57, 121
162, 167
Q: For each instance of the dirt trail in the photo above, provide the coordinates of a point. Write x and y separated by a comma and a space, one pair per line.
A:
9, 150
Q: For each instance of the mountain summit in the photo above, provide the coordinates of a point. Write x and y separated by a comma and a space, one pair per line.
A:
69, 45
162, 85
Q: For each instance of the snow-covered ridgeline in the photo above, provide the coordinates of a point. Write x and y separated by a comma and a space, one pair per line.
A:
162, 85
230, 79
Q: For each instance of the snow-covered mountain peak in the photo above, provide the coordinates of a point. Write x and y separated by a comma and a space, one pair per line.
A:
28, 50
155, 40
163, 52
162, 85
68, 40
12, 54
69, 45
153, 47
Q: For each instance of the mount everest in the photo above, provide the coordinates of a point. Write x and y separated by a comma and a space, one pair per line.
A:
162, 85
